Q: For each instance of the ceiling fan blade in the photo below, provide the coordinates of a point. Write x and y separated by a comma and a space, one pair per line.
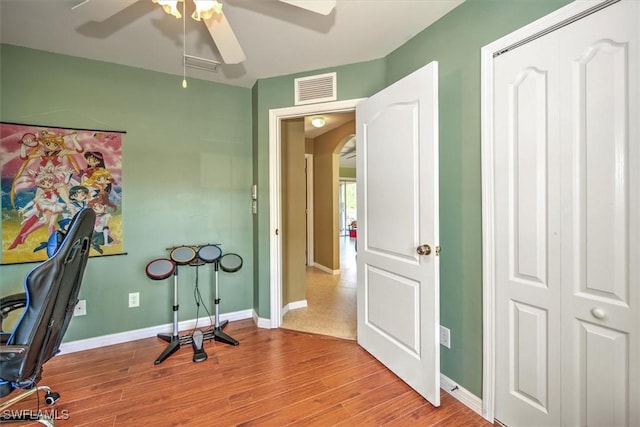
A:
323, 7
99, 10
225, 39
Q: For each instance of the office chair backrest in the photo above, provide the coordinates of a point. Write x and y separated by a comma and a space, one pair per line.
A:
52, 294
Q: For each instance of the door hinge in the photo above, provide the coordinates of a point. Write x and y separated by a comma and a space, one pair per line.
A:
437, 250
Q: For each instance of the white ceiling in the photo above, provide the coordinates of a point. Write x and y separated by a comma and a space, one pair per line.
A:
277, 38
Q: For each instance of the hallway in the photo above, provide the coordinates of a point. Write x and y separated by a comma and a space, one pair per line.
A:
331, 299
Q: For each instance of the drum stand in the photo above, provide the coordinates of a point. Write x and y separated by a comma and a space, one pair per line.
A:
216, 332
174, 340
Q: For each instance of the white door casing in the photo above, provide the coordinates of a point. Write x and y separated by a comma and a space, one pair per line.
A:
561, 222
397, 190
308, 168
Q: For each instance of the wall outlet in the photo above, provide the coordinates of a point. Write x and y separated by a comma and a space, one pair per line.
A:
81, 308
445, 337
134, 299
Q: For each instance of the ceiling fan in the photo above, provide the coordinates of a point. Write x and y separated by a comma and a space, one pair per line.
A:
208, 11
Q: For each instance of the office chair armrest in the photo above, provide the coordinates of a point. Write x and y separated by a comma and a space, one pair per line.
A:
11, 358
10, 353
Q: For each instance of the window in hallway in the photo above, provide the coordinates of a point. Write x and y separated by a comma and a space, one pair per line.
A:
348, 207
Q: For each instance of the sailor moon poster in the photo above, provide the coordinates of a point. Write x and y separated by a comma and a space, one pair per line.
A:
47, 175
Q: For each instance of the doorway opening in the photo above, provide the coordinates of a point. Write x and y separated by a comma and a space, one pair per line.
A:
278, 307
319, 292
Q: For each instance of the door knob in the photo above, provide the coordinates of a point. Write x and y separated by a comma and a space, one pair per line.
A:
424, 250
598, 313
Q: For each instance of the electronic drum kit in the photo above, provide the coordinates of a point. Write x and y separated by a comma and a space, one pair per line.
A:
195, 256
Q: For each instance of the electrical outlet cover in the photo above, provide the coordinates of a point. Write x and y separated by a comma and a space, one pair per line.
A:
81, 308
445, 337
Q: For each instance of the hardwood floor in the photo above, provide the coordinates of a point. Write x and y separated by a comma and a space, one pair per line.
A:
274, 377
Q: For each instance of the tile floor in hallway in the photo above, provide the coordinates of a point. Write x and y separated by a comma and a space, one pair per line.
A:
331, 299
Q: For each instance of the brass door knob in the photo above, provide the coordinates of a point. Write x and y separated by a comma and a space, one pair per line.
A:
424, 250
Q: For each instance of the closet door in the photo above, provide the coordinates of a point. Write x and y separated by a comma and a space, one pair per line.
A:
601, 217
528, 286
568, 224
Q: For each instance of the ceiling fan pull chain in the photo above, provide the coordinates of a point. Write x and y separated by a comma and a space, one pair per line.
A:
184, 49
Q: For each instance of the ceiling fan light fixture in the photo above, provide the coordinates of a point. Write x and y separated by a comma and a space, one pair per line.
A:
318, 122
170, 7
205, 9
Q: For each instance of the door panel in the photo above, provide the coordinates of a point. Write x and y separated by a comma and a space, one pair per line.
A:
528, 191
601, 217
527, 188
528, 365
600, 157
603, 393
384, 289
398, 290
388, 185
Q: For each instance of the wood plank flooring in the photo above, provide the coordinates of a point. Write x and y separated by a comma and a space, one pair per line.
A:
275, 377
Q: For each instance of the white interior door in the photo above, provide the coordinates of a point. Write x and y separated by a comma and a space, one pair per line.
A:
397, 187
527, 187
601, 218
567, 215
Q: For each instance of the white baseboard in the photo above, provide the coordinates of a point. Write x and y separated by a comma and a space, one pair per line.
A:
261, 322
326, 269
463, 395
292, 306
104, 340
297, 304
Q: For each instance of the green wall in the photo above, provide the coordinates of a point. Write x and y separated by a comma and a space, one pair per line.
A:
187, 165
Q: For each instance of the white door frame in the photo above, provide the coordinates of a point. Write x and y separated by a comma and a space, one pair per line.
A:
308, 162
560, 17
275, 212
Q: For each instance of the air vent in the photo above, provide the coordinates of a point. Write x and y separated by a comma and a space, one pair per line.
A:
312, 89
201, 63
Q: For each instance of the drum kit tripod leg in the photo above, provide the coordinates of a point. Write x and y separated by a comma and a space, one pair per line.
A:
217, 333
163, 268
174, 339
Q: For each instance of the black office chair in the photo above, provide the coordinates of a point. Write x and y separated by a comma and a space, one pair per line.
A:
51, 294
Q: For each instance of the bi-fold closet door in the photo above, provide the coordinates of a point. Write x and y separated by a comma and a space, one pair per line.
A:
567, 224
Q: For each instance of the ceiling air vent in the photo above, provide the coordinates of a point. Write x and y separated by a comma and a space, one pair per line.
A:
312, 89
201, 63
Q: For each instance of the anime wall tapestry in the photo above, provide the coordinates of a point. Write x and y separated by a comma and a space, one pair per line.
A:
48, 174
